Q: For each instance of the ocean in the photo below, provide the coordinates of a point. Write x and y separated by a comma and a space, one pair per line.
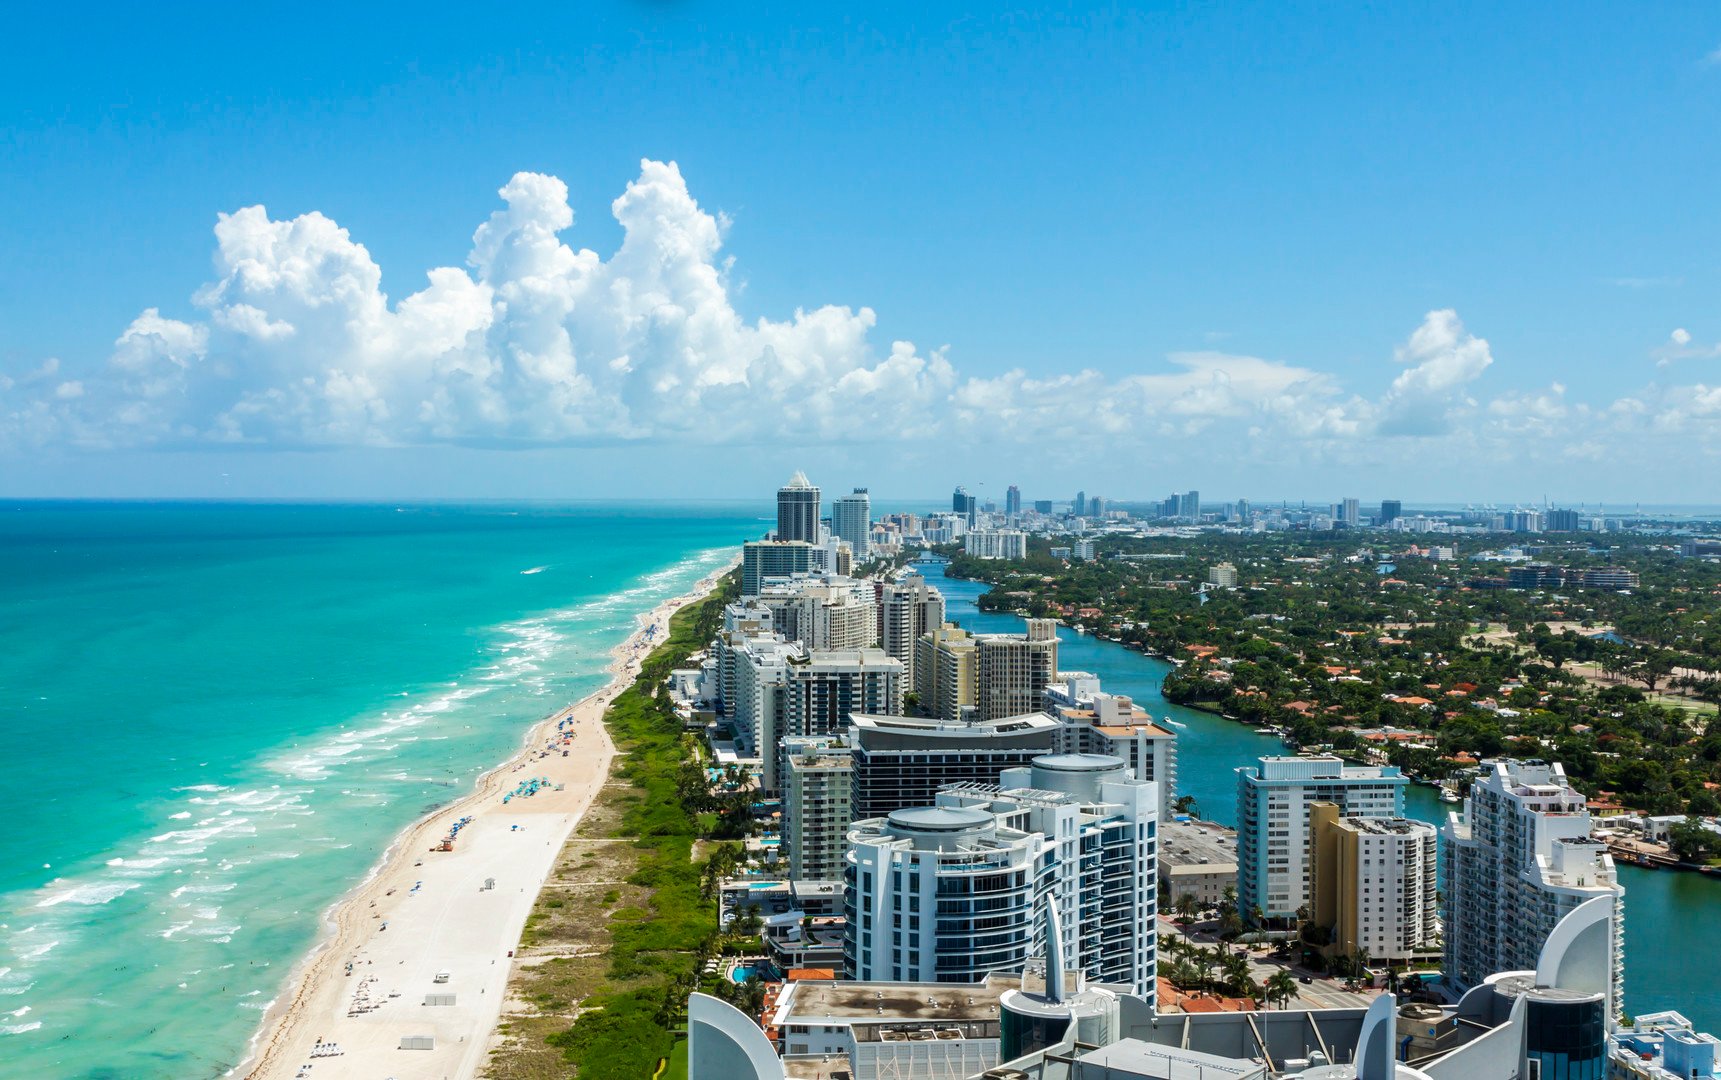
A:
217, 716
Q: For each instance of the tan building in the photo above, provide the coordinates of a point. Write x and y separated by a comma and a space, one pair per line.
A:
1372, 882
1196, 858
946, 670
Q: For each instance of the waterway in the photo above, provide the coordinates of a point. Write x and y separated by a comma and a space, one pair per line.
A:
1672, 940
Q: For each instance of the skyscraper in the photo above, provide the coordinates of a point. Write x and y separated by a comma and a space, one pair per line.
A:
1518, 861
965, 504
1080, 506
908, 608
798, 510
1013, 501
1350, 513
851, 520
1189, 505
1390, 511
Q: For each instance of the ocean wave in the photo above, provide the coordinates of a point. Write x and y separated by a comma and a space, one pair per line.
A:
535, 570
19, 1029
89, 895
201, 787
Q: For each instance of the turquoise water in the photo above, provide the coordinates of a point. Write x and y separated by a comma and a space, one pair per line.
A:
217, 716
1672, 954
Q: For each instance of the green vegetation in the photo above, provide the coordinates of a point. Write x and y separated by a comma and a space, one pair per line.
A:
1338, 637
618, 960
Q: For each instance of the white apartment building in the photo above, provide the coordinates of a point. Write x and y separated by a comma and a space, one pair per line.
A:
1082, 550
828, 612
1273, 801
1373, 884
851, 520
1012, 671
996, 544
1112, 725
1518, 860
952, 892
817, 777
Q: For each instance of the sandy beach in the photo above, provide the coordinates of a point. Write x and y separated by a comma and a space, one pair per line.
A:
421, 950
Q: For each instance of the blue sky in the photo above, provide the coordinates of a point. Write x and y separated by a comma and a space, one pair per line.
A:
1286, 197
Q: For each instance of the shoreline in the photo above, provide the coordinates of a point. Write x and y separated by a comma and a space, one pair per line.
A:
448, 922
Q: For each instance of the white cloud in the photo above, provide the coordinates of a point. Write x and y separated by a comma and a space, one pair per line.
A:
536, 342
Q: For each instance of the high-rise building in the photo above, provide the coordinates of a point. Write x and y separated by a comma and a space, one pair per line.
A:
1013, 501
798, 510
817, 783
1373, 884
851, 520
755, 712
996, 544
764, 560
902, 761
822, 689
1111, 725
1080, 507
1043, 506
1189, 505
1011, 670
1520, 858
968, 506
1097, 506
1390, 511
909, 608
1273, 801
952, 892
946, 672
1350, 512
1560, 521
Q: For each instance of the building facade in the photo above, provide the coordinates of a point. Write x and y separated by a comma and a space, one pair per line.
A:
1373, 884
946, 673
956, 891
765, 560
1273, 801
851, 520
1112, 725
798, 510
1518, 859
902, 762
996, 544
908, 608
817, 783
1012, 671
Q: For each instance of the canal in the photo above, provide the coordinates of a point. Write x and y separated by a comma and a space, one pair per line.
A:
1672, 937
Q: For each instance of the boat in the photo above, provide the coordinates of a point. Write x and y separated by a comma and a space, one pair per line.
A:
1447, 795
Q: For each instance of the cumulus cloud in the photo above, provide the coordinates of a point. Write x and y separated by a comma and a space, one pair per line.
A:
531, 343
535, 342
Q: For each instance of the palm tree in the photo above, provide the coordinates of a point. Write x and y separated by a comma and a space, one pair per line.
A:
1282, 987
1188, 906
1184, 804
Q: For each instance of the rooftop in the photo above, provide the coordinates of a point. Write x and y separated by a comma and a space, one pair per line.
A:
899, 1002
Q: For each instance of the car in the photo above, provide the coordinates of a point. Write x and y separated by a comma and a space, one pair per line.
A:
1305, 980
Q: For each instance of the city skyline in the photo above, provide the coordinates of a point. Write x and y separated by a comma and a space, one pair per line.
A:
1315, 308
